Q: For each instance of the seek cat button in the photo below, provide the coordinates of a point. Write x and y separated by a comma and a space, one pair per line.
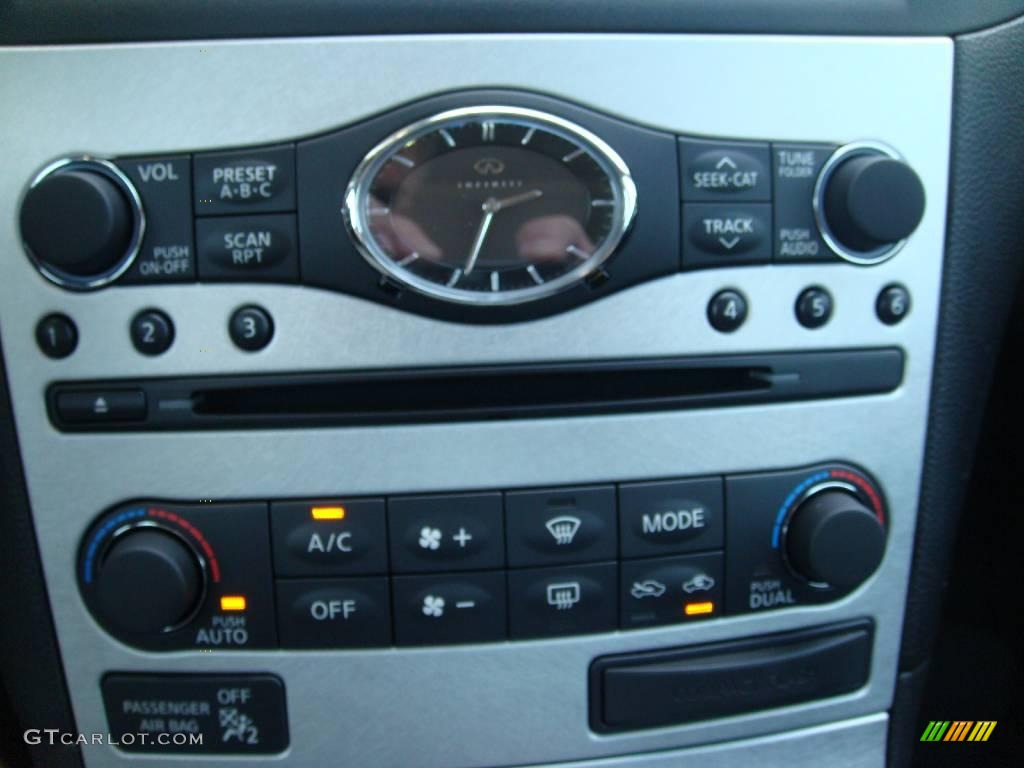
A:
671, 517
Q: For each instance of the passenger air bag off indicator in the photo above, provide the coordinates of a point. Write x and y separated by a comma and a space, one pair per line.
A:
196, 714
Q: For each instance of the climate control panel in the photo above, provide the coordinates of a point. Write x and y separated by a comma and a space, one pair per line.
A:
479, 567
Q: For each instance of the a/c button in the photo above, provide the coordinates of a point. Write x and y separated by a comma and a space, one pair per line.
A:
329, 538
333, 613
671, 517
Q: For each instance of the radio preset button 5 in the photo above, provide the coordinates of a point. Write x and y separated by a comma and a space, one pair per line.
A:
563, 525
329, 538
250, 180
670, 517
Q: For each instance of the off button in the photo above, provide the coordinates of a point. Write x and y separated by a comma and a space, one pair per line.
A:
329, 538
671, 517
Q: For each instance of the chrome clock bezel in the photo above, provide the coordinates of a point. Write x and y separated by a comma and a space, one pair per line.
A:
624, 197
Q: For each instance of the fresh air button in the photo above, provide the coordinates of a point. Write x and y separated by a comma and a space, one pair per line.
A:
329, 538
96, 406
677, 686
795, 170
248, 248
334, 613
449, 608
196, 714
165, 188
562, 601
716, 235
667, 590
563, 525
249, 180
714, 170
446, 533
670, 517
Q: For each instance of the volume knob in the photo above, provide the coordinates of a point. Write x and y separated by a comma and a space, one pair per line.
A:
833, 539
81, 223
149, 580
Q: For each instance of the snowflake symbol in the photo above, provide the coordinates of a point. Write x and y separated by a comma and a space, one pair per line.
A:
430, 538
433, 605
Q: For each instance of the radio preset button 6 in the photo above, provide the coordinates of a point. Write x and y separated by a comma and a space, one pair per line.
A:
446, 533
670, 517
249, 180
716, 170
333, 613
329, 538
562, 525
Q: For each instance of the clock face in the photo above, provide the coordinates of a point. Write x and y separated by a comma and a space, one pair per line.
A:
490, 205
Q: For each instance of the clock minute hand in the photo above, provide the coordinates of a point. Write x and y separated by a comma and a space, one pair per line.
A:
489, 209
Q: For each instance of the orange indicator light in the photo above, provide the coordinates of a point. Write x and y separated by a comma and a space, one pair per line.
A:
232, 603
327, 513
699, 609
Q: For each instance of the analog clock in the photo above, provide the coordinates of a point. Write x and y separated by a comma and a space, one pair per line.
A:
490, 205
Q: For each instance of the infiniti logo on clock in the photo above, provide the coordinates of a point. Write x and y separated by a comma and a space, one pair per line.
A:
487, 166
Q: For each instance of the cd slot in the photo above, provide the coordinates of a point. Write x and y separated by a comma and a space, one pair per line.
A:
476, 393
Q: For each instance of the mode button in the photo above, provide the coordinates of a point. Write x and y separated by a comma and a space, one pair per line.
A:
670, 517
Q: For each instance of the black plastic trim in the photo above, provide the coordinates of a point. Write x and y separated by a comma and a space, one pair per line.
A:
429, 395
39, 22
30, 667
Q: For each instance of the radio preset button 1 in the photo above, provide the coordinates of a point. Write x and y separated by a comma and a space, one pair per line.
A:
670, 517
251, 248
717, 235
446, 533
449, 608
334, 613
715, 170
250, 180
561, 525
667, 590
329, 538
563, 601
56, 336
165, 186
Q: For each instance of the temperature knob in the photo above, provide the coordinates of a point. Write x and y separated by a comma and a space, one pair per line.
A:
833, 539
867, 202
149, 580
82, 223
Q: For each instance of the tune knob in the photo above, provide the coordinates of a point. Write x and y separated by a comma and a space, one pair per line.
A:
81, 222
834, 539
867, 202
148, 581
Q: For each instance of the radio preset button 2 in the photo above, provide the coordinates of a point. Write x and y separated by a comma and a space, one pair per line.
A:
152, 332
